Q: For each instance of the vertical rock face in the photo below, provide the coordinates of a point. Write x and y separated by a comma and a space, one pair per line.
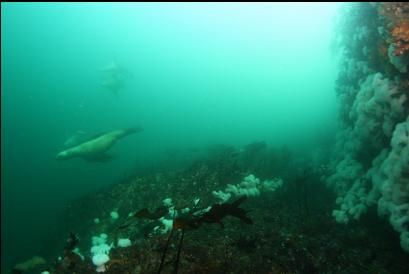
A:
370, 166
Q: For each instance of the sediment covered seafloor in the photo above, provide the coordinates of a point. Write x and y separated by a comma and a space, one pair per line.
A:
292, 228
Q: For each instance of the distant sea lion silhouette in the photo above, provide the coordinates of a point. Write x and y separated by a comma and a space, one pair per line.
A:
114, 77
94, 150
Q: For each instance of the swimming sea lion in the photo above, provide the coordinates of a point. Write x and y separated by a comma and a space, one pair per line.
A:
114, 77
94, 150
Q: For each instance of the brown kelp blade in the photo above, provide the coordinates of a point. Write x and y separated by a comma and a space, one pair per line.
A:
180, 223
145, 214
219, 211
214, 215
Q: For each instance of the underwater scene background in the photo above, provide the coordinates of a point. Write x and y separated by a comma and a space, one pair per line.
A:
205, 137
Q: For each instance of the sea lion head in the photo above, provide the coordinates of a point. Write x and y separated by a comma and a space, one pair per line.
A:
63, 155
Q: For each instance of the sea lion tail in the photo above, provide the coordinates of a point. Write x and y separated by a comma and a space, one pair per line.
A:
132, 130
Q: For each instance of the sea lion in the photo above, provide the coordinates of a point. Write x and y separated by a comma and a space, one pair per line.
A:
94, 150
114, 83
114, 77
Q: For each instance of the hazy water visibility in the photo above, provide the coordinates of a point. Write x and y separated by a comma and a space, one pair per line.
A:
198, 74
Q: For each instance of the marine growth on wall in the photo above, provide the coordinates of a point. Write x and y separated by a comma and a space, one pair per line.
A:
370, 167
